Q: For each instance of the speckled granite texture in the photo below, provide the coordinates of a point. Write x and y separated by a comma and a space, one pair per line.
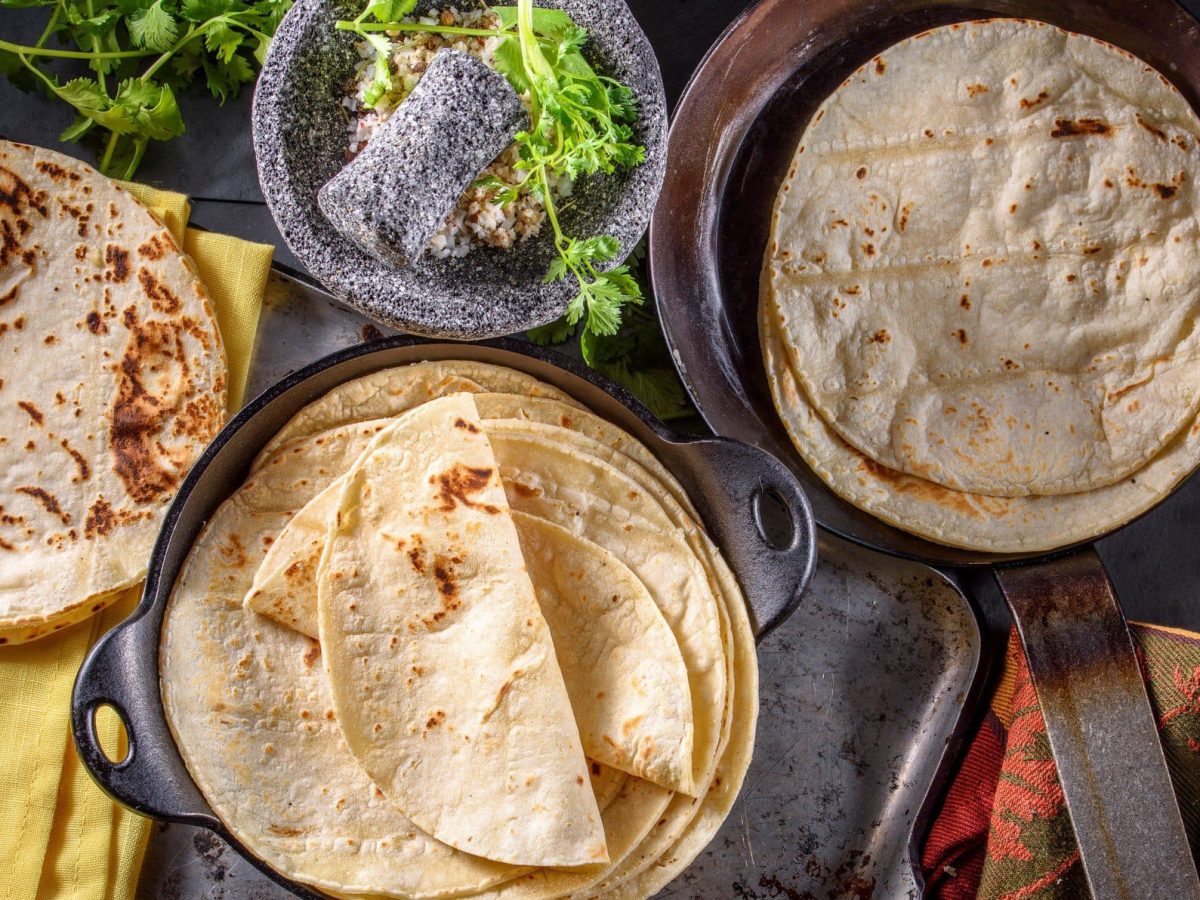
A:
392, 197
299, 138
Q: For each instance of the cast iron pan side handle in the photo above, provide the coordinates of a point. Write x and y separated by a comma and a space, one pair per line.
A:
727, 480
1101, 728
151, 779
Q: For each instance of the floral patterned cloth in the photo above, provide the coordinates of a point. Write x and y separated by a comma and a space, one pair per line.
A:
1003, 832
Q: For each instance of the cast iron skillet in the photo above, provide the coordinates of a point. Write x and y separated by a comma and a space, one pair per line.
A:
734, 133
724, 479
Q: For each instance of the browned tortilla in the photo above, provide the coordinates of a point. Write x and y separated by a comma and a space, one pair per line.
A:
113, 379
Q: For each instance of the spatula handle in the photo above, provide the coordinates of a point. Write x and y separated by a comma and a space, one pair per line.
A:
1101, 728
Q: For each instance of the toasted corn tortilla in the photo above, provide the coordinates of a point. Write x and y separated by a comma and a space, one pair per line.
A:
249, 706
390, 392
974, 521
671, 848
441, 666
623, 670
114, 381
985, 260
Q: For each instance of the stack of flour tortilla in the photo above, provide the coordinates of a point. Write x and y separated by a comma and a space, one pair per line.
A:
979, 301
112, 382
456, 635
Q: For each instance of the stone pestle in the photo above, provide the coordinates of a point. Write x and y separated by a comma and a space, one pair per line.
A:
393, 197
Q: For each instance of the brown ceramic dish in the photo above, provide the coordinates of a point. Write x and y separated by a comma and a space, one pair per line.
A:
734, 133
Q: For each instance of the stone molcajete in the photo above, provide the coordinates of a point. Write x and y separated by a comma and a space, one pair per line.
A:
299, 138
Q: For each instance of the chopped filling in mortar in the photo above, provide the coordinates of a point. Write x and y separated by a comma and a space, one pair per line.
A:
478, 219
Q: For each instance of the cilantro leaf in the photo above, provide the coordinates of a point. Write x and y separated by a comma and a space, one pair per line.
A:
199, 11
381, 82
77, 129
389, 10
222, 41
225, 79
151, 48
507, 60
152, 107
501, 191
545, 21
153, 27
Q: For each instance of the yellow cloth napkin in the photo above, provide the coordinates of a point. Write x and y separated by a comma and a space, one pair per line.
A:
60, 837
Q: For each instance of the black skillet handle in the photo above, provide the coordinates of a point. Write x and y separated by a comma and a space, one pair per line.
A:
1101, 728
121, 671
759, 517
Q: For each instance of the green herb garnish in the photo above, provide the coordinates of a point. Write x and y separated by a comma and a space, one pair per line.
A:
139, 53
636, 357
580, 125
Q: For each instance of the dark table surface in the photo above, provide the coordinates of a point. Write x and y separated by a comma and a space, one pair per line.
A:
1154, 562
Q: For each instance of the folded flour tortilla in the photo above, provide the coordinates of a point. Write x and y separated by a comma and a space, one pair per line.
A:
250, 707
442, 670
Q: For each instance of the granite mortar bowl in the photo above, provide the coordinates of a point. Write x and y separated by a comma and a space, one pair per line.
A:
300, 139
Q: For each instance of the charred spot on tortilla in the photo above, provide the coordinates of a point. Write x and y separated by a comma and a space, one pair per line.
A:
147, 469
1082, 126
312, 654
47, 500
33, 412
17, 196
81, 463
447, 580
160, 295
156, 247
457, 484
116, 259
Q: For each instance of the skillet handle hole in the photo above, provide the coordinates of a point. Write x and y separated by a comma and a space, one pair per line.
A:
112, 734
773, 518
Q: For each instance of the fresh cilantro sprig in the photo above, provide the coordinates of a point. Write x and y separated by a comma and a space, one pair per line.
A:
138, 54
635, 357
581, 124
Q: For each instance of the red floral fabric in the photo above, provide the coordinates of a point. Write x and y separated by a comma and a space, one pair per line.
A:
1003, 832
